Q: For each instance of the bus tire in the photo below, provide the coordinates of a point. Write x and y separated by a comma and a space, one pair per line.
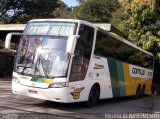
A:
138, 92
143, 91
93, 96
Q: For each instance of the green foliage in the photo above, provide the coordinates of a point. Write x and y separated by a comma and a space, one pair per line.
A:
4, 51
24, 10
80, 1
142, 27
98, 11
62, 12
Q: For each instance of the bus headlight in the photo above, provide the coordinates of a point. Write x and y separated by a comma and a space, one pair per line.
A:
15, 79
59, 85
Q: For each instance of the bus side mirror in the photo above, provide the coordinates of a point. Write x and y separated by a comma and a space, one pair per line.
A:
71, 44
9, 38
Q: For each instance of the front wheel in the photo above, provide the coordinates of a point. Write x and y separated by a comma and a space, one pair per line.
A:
93, 96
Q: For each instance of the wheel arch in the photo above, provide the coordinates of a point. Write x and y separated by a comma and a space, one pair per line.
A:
94, 95
98, 86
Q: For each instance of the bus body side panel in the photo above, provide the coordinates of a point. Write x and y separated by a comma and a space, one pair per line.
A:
132, 82
148, 87
117, 77
122, 81
100, 74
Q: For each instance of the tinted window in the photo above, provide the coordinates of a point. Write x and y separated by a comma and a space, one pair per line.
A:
82, 53
109, 46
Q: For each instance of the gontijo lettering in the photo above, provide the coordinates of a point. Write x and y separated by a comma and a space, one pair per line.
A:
138, 71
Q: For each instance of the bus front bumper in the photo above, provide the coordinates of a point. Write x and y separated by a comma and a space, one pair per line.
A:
51, 94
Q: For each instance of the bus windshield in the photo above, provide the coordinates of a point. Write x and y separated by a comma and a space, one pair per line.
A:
42, 56
42, 49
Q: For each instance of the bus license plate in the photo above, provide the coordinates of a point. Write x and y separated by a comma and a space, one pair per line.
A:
33, 92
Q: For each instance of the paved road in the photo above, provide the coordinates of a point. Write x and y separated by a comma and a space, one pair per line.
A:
11, 103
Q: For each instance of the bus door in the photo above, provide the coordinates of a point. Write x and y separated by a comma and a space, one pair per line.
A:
81, 58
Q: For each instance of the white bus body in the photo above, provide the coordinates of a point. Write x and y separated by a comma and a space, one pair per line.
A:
63, 60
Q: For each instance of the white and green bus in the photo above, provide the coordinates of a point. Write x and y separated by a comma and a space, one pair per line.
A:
66, 60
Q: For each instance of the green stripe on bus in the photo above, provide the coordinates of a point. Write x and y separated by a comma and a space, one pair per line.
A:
114, 77
36, 79
121, 78
40, 80
117, 77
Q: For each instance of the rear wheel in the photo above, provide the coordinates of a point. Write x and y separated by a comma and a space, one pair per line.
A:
93, 96
138, 92
143, 90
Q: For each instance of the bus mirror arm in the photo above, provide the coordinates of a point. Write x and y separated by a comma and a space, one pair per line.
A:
71, 44
8, 40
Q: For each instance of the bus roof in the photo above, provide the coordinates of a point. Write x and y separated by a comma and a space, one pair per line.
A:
72, 20
64, 20
111, 28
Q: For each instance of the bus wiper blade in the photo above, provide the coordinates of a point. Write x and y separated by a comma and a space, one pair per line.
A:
22, 65
25, 68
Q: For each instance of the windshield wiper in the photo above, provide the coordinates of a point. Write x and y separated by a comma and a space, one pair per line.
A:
25, 67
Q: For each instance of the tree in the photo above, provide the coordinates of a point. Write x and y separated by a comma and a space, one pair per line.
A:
142, 26
63, 11
13, 11
96, 10
80, 1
